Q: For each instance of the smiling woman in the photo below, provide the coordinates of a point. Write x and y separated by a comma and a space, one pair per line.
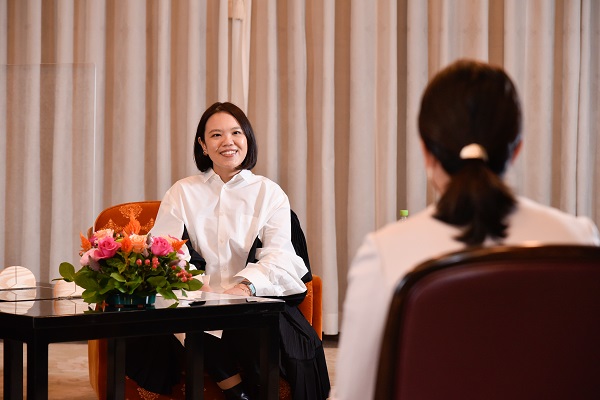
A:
223, 211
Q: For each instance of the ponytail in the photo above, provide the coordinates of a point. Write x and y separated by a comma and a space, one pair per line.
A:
477, 200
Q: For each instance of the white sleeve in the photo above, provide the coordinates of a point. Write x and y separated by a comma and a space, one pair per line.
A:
364, 315
279, 270
169, 220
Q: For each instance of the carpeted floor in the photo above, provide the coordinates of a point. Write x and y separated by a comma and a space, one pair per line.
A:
68, 369
67, 372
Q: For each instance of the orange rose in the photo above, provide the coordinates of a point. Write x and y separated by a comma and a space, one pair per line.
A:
138, 243
103, 233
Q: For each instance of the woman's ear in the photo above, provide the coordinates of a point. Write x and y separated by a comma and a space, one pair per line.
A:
436, 175
516, 151
429, 158
202, 145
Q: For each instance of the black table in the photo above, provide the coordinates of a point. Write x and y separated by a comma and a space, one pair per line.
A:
46, 321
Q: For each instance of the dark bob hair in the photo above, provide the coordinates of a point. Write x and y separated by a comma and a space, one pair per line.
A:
203, 162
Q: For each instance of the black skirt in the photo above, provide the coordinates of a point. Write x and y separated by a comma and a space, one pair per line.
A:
302, 361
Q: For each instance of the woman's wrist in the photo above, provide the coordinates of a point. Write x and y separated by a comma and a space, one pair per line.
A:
250, 286
244, 288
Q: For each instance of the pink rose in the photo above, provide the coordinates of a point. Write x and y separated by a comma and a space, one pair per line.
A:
161, 246
88, 259
107, 248
181, 260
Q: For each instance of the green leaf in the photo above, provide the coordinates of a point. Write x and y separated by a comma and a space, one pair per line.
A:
194, 284
67, 271
132, 286
167, 294
110, 286
118, 277
87, 282
158, 281
92, 296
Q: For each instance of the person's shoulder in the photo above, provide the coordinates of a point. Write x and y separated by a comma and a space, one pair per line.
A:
253, 178
538, 210
190, 180
250, 176
186, 184
402, 245
420, 235
550, 224
420, 221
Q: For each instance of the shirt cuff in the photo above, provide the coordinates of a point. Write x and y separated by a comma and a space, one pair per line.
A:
262, 285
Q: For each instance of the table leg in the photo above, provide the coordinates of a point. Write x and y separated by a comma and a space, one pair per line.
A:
37, 370
13, 369
269, 360
115, 368
194, 366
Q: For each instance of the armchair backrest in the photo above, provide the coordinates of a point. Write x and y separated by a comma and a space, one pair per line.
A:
496, 323
16, 277
116, 217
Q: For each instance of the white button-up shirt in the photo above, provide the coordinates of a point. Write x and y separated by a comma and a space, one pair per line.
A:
224, 219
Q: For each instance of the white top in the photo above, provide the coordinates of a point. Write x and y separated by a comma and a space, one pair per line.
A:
224, 219
388, 254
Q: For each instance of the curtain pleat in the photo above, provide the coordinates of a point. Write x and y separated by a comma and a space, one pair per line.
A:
321, 151
416, 77
99, 103
587, 178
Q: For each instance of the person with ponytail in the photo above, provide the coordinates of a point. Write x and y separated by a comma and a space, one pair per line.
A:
470, 130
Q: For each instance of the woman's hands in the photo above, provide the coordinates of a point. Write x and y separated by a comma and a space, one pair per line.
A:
205, 283
206, 288
239, 290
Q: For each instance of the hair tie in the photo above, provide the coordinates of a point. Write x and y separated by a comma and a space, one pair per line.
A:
473, 151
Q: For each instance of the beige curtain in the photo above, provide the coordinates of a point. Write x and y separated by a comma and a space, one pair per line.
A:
332, 88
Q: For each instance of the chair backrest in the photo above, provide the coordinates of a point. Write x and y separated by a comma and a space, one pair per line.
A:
23, 281
16, 277
496, 323
66, 289
117, 217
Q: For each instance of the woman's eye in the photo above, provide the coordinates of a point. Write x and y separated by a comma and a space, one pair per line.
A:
237, 133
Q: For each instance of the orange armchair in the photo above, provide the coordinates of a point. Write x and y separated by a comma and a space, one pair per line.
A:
117, 217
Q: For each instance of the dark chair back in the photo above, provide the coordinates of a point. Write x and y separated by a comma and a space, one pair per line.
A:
496, 323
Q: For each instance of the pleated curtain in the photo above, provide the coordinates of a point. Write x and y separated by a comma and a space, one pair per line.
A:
100, 99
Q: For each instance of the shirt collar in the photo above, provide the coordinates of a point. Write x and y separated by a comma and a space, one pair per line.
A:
244, 174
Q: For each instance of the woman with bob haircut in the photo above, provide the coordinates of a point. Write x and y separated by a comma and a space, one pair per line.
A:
470, 128
224, 211
202, 159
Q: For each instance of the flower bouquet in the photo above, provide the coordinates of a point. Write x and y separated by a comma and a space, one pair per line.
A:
131, 264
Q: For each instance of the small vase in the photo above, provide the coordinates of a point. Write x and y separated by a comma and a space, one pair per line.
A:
130, 301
